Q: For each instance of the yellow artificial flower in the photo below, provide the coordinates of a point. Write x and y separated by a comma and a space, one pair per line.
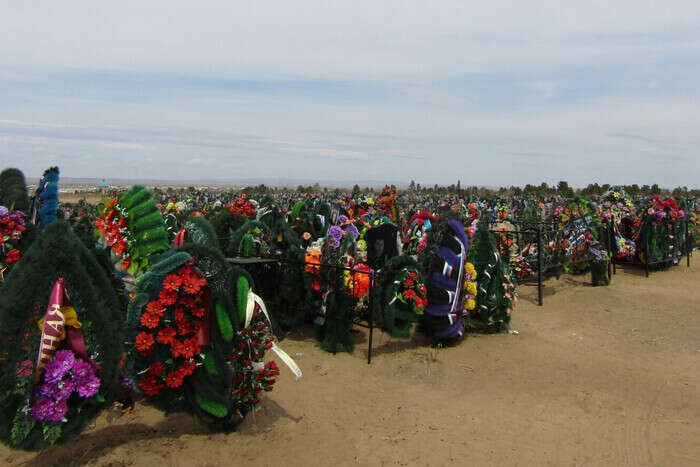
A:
469, 267
471, 304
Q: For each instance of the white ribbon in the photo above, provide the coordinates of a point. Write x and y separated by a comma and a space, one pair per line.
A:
284, 356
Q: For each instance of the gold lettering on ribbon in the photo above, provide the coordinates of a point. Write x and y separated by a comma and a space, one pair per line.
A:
53, 330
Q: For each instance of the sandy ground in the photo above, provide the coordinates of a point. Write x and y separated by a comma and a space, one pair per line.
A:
598, 376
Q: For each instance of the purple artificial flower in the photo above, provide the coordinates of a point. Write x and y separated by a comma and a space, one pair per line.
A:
342, 219
42, 409
337, 233
352, 230
65, 359
53, 372
62, 389
62, 362
88, 387
45, 390
60, 409
127, 382
18, 217
82, 370
3, 211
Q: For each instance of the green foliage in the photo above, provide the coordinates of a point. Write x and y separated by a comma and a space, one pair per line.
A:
242, 288
224, 323
51, 432
145, 223
211, 407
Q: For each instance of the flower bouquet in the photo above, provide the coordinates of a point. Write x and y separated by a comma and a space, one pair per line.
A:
598, 258
12, 227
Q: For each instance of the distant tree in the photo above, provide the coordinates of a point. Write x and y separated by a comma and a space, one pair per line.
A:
655, 190
564, 189
412, 186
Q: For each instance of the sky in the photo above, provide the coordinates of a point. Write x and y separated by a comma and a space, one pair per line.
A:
493, 93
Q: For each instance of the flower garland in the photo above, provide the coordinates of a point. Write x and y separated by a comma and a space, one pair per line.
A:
626, 249
660, 209
178, 316
357, 281
411, 290
133, 228
470, 288
11, 229
616, 205
578, 220
386, 202
415, 234
113, 225
658, 231
242, 206
252, 377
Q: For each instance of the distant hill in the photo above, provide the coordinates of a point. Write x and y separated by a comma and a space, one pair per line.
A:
270, 181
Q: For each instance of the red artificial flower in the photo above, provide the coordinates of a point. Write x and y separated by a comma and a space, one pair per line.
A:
316, 286
167, 297
150, 386
120, 247
413, 275
192, 283
174, 379
408, 283
179, 315
125, 264
150, 320
12, 256
155, 307
422, 290
183, 328
166, 335
198, 311
155, 369
187, 367
172, 282
190, 347
187, 301
144, 343
187, 348
408, 294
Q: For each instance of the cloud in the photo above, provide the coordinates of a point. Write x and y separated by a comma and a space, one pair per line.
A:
496, 93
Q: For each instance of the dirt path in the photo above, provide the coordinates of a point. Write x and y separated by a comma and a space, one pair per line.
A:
598, 376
